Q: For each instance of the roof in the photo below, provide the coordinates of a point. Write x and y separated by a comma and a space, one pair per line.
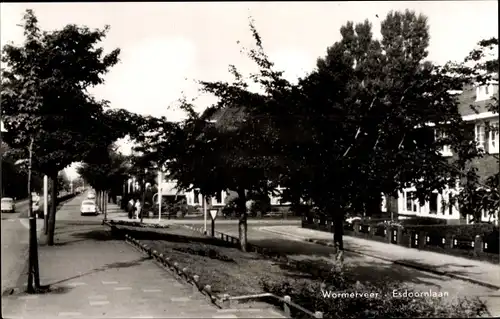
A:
468, 99
225, 118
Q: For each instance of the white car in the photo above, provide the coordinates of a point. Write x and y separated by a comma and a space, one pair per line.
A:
351, 220
89, 208
8, 205
91, 196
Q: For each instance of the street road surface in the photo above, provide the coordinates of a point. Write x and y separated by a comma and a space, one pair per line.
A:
15, 243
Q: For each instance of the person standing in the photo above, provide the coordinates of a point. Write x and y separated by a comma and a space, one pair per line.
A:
137, 211
130, 208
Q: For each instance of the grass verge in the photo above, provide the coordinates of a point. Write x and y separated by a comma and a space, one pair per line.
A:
221, 265
229, 271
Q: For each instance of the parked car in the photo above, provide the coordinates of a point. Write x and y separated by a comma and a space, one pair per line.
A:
91, 196
8, 205
89, 207
352, 219
274, 214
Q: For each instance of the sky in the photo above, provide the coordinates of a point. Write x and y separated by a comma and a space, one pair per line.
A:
165, 47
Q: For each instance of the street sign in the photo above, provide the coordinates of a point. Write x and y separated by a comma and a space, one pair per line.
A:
213, 213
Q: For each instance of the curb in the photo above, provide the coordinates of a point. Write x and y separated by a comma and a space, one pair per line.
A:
169, 264
401, 263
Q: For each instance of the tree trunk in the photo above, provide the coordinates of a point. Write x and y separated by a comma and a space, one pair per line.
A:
98, 199
106, 207
338, 228
53, 207
34, 273
242, 223
46, 218
374, 206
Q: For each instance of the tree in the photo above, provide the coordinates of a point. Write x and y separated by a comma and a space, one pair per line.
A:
208, 157
63, 181
109, 174
385, 96
44, 99
356, 127
144, 168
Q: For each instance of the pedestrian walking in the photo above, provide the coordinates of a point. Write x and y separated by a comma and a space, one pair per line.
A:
138, 207
130, 208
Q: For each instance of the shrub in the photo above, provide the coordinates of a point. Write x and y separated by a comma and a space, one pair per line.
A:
384, 305
230, 209
261, 204
463, 231
492, 242
423, 221
301, 210
178, 208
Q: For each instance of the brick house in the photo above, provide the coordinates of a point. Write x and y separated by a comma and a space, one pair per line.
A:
481, 122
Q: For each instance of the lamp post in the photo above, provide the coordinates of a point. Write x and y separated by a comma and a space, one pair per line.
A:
45, 203
143, 190
159, 193
204, 214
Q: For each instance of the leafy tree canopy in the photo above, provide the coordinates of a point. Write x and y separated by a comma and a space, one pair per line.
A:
45, 98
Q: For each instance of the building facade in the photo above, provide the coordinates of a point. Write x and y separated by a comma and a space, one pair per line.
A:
484, 122
195, 199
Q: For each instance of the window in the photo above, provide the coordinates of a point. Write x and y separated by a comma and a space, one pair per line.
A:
196, 196
451, 202
433, 204
480, 135
384, 204
408, 201
411, 202
218, 198
484, 92
446, 150
493, 138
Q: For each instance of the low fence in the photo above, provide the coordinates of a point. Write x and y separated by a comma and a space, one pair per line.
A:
479, 241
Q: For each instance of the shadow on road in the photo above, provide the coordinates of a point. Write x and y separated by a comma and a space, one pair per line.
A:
58, 287
366, 271
438, 268
116, 265
95, 234
176, 234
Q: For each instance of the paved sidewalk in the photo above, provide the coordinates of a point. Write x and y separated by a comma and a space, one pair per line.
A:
483, 273
92, 275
